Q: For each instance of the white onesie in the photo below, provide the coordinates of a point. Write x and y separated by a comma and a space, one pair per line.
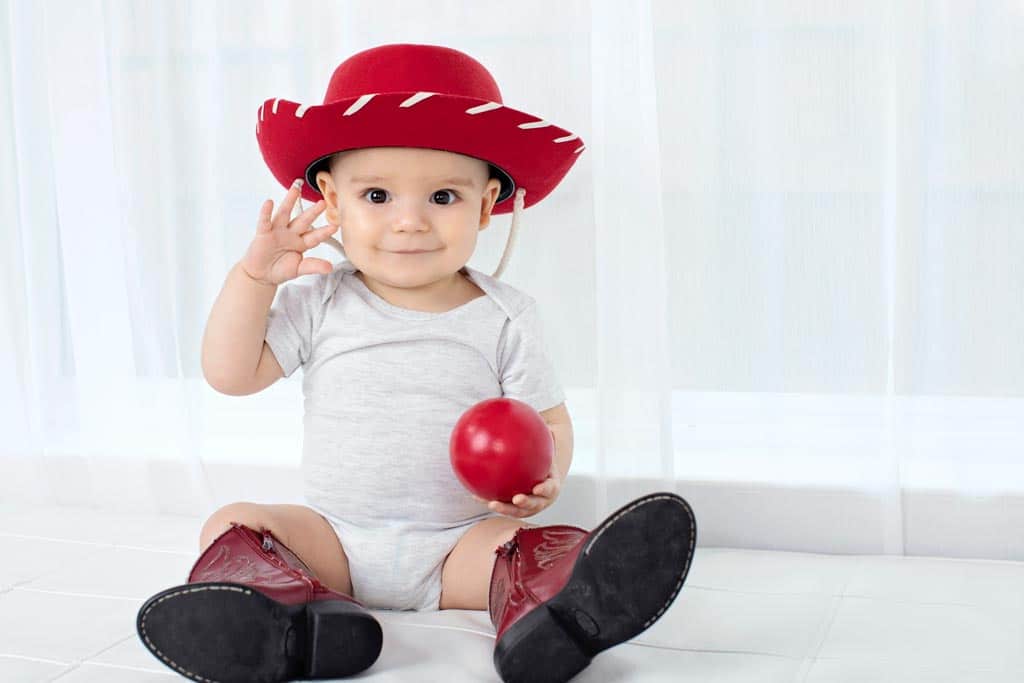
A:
383, 387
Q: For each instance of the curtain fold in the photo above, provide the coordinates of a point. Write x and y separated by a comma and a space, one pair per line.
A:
783, 279
633, 389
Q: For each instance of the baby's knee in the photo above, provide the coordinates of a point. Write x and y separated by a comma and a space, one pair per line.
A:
252, 515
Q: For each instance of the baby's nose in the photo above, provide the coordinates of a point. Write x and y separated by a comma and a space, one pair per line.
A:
411, 219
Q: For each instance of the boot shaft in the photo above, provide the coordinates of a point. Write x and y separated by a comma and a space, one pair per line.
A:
530, 569
261, 560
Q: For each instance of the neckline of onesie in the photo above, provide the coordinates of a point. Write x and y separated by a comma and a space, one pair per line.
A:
381, 304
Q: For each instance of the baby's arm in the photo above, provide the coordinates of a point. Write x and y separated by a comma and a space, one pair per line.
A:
560, 424
236, 360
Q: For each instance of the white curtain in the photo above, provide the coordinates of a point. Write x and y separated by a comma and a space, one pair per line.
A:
785, 279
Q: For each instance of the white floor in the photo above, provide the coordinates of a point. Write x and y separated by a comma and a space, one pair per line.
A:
72, 580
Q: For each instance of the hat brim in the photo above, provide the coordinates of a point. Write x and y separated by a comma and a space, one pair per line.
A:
296, 141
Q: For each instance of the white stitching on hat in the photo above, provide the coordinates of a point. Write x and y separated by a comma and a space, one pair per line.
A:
481, 108
567, 138
358, 104
534, 124
416, 99
579, 149
274, 108
301, 110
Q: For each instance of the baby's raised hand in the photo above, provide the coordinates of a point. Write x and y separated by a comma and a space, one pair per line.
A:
275, 254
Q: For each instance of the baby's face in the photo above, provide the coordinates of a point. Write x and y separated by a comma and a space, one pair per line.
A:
393, 199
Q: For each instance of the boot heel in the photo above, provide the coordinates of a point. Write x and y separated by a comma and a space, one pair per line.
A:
343, 639
537, 648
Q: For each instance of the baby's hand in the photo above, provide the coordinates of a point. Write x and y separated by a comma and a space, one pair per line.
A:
275, 254
544, 495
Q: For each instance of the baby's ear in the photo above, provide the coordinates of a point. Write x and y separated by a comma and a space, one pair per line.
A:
485, 221
488, 200
325, 183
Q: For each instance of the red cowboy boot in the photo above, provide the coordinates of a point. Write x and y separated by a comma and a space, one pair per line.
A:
253, 611
559, 595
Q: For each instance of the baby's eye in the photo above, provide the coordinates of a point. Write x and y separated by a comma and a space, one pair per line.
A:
440, 195
376, 194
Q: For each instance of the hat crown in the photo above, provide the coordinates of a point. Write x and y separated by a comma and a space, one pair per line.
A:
411, 68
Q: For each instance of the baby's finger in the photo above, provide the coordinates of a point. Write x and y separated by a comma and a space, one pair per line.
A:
525, 502
505, 509
545, 488
263, 220
317, 235
314, 266
301, 223
284, 211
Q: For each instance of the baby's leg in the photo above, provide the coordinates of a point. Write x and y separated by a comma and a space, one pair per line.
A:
302, 529
466, 573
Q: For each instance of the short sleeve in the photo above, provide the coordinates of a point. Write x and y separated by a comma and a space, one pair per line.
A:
527, 373
292, 321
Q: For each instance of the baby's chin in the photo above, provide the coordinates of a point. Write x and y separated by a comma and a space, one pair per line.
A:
409, 277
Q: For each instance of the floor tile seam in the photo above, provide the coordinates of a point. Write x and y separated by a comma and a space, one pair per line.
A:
910, 663
825, 628
635, 644
54, 539
839, 557
72, 665
11, 655
806, 665
441, 627
65, 672
716, 589
116, 546
945, 559
854, 572
118, 641
78, 663
183, 553
105, 512
74, 594
46, 573
894, 601
705, 650
878, 598
126, 667
16, 586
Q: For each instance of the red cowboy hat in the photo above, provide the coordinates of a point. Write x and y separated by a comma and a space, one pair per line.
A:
416, 96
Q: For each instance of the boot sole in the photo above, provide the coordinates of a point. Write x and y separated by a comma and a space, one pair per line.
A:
229, 632
630, 571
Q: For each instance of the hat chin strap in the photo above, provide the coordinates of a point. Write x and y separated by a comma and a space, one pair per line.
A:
517, 209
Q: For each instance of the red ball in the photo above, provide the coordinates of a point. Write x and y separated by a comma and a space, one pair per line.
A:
501, 447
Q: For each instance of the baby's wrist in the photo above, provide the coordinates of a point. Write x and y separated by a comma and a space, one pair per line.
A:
241, 267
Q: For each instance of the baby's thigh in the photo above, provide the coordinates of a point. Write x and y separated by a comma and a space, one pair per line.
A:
303, 530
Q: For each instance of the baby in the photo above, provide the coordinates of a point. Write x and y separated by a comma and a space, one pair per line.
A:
410, 155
